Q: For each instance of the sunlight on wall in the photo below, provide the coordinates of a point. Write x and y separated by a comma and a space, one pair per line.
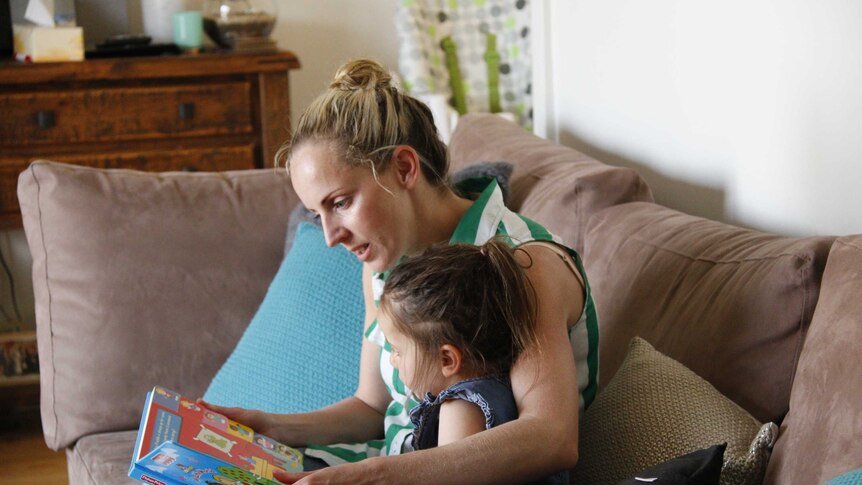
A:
745, 111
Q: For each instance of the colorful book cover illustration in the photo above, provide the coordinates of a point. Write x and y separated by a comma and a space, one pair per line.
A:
180, 442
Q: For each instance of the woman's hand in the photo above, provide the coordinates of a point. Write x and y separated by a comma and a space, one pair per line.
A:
364, 472
259, 421
289, 478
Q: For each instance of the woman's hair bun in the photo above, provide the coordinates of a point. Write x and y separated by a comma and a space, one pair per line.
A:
361, 74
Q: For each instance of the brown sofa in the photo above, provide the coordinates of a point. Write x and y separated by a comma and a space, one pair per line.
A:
144, 279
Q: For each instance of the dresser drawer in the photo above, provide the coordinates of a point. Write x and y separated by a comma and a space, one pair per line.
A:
205, 159
125, 113
210, 112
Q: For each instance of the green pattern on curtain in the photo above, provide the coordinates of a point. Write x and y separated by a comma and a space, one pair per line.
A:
475, 52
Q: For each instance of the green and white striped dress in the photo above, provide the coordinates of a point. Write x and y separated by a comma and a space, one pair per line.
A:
486, 218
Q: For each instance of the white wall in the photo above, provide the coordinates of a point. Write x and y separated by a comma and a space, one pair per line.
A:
748, 111
325, 34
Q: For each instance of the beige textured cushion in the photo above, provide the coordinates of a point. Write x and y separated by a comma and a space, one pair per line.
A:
142, 279
654, 410
555, 185
731, 304
822, 434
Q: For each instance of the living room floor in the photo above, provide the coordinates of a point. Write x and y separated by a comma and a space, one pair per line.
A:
24, 457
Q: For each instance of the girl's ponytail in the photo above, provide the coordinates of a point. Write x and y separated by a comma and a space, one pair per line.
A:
475, 297
520, 314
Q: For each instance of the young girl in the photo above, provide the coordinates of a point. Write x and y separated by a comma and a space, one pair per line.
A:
457, 317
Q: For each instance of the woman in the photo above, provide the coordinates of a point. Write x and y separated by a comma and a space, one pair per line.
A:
366, 159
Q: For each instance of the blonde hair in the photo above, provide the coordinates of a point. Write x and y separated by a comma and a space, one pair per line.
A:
477, 298
366, 116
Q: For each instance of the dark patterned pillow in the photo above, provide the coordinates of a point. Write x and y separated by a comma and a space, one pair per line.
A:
701, 467
502, 171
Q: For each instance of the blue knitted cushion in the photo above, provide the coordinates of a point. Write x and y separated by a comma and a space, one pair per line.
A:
301, 350
850, 478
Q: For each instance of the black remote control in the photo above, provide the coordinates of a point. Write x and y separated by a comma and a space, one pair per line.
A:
125, 40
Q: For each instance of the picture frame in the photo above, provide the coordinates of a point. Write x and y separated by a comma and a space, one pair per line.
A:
19, 358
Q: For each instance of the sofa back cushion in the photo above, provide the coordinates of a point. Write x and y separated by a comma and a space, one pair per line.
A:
555, 185
820, 437
168, 268
731, 304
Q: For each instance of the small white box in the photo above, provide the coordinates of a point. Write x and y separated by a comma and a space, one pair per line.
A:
33, 43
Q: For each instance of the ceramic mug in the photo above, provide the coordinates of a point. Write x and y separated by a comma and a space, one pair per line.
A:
188, 29
156, 17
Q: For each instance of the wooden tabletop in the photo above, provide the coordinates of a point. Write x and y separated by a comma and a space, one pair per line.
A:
116, 68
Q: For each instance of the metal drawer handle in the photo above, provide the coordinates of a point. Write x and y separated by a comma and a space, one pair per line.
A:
189, 168
46, 119
187, 111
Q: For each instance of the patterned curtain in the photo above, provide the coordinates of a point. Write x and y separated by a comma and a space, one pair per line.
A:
475, 54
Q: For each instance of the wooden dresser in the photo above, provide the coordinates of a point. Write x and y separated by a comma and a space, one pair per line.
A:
206, 112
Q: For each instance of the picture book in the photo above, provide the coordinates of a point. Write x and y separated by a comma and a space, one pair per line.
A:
180, 442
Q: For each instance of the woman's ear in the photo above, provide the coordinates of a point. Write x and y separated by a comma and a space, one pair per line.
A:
451, 360
408, 167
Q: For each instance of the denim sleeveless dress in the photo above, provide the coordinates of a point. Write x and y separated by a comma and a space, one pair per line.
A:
493, 395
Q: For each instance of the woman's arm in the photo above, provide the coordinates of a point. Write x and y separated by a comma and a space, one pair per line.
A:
543, 440
355, 419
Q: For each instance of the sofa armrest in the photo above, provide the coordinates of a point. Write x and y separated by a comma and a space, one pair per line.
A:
142, 279
820, 436
731, 304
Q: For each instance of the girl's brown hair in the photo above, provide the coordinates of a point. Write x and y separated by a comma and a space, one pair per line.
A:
477, 298
366, 116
